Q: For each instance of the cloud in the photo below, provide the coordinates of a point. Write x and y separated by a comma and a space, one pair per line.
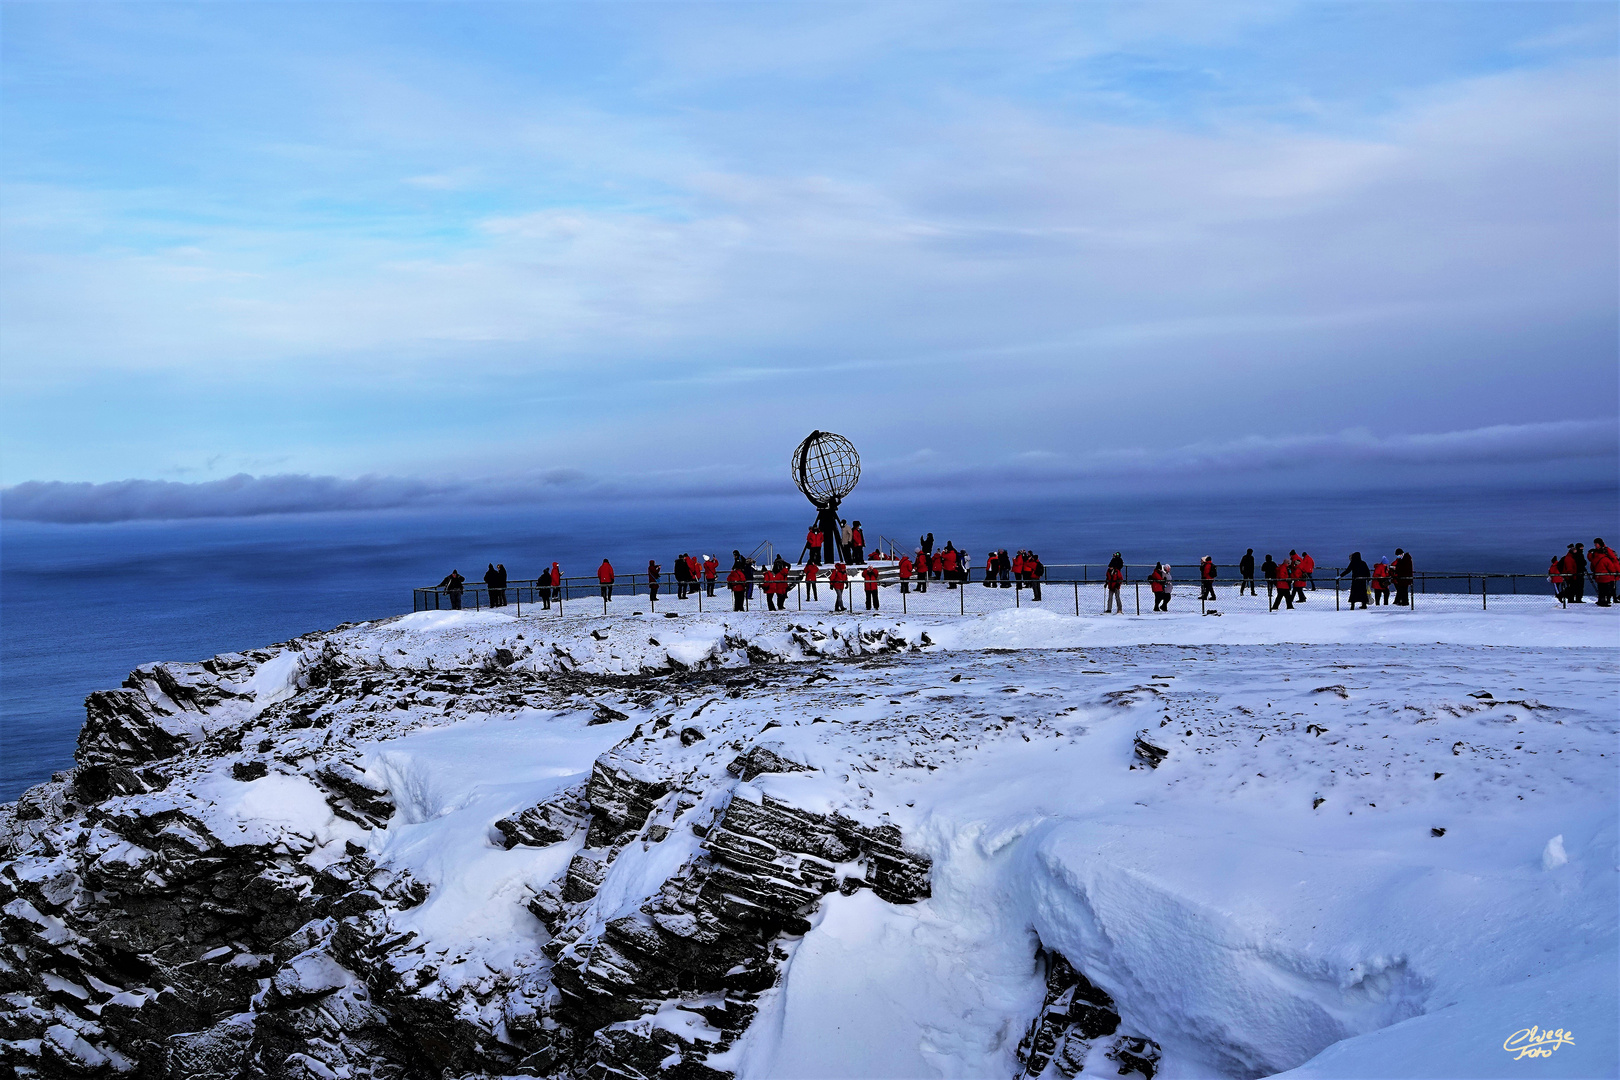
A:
1558, 454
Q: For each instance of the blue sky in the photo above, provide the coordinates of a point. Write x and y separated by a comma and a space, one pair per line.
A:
526, 247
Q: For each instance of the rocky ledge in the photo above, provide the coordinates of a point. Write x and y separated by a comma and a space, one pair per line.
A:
212, 893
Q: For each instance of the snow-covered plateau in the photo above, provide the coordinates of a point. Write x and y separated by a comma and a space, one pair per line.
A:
1020, 844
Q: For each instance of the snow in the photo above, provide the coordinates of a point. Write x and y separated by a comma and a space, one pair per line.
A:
1381, 843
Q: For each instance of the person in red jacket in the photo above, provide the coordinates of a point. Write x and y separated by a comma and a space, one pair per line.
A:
1285, 584
838, 579
775, 589
1555, 575
556, 583
654, 574
604, 577
870, 574
1605, 571
1159, 582
857, 543
904, 570
737, 582
1206, 573
813, 538
1380, 582
1115, 579
1307, 566
812, 572
711, 567
1295, 573
948, 562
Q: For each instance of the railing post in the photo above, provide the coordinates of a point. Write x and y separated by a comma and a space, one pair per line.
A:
1077, 599
1335, 594
1138, 597
1484, 604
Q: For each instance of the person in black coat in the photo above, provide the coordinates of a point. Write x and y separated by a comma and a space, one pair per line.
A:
1246, 568
1403, 577
453, 585
543, 585
1269, 569
492, 585
1360, 573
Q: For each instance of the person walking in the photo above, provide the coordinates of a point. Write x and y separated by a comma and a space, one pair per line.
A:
654, 572
1605, 571
1206, 574
1307, 566
1294, 575
453, 585
492, 586
870, 576
604, 578
812, 571
1380, 582
838, 579
1246, 568
1360, 574
857, 543
904, 570
1159, 582
1113, 579
737, 581
1282, 575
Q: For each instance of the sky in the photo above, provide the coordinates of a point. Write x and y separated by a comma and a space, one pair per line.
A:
270, 257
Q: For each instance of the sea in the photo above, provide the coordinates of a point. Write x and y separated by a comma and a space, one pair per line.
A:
83, 605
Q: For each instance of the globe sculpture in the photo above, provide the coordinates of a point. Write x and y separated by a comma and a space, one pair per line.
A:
826, 468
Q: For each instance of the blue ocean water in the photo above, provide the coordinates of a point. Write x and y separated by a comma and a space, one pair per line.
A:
82, 605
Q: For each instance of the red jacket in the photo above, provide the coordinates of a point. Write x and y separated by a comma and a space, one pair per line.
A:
871, 576
857, 538
556, 575
1157, 580
948, 560
838, 577
1380, 575
811, 571
1115, 577
1285, 571
737, 580
1555, 572
1018, 564
905, 568
1605, 565
1568, 563
1208, 570
710, 567
1306, 564
604, 573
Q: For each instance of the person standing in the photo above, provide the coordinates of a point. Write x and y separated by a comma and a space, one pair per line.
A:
711, 569
1206, 574
843, 535
768, 587
926, 546
1577, 583
604, 578
1268, 570
1555, 576
1403, 578
542, 585
812, 571
492, 585
1112, 581
904, 570
1246, 568
1360, 573
1280, 575
556, 584
838, 579
1158, 581
654, 572
870, 575
453, 585
1307, 566
1294, 575
1380, 582
948, 562
857, 543
680, 572
737, 581
1605, 571
1036, 571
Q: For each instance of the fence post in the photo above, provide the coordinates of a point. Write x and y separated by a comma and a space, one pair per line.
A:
520, 601
1335, 594
1077, 599
961, 601
1139, 598
1484, 604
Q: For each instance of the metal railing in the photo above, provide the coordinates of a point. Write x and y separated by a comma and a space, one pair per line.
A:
1424, 589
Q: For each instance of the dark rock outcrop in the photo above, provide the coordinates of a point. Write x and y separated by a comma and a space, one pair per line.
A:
1077, 1022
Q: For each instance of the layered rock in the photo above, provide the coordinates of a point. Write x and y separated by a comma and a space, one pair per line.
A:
1078, 1029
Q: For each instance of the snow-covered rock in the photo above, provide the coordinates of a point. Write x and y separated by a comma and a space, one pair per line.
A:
794, 845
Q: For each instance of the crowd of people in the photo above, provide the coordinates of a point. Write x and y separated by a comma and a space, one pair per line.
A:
1569, 572
1386, 580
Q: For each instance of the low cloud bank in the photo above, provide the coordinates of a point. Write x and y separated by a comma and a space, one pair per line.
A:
1558, 454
